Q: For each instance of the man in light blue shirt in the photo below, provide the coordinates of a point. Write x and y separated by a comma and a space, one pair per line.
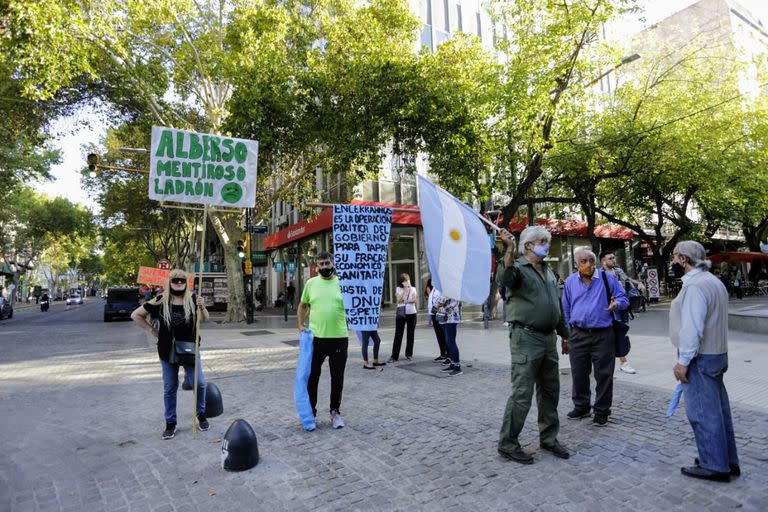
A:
589, 315
698, 328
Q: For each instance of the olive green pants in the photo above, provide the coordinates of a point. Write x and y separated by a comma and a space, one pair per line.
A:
534, 363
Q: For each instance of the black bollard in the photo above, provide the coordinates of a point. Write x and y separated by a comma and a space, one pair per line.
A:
214, 405
239, 448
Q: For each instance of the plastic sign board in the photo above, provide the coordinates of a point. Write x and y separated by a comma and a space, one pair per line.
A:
278, 266
201, 168
164, 264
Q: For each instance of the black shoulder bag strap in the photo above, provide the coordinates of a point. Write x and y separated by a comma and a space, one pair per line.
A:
607, 290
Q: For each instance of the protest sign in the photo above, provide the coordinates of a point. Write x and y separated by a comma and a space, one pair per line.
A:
360, 239
159, 276
190, 167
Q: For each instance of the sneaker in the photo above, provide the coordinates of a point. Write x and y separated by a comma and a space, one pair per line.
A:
170, 430
439, 359
391, 361
577, 414
600, 420
202, 423
446, 361
456, 371
626, 368
336, 419
407, 358
449, 368
506, 324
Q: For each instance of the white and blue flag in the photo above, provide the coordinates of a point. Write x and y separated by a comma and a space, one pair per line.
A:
456, 243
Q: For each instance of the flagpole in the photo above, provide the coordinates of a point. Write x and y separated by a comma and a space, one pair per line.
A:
198, 313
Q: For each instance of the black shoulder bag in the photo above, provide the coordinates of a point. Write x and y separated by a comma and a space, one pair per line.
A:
620, 329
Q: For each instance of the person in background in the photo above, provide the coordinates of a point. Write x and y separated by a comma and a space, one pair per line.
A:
738, 282
365, 339
436, 326
291, 294
405, 295
698, 328
608, 262
448, 314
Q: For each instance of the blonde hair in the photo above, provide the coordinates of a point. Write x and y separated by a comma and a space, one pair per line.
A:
165, 299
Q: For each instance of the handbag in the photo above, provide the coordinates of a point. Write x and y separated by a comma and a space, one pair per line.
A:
182, 353
621, 342
400, 313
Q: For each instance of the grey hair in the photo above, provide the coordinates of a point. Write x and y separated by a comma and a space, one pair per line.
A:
694, 253
584, 250
532, 234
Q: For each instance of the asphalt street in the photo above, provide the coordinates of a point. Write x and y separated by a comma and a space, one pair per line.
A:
81, 402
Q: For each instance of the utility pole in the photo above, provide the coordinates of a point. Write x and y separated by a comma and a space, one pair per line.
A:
248, 270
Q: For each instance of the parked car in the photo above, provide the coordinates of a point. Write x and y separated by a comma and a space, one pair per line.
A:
6, 309
74, 300
121, 301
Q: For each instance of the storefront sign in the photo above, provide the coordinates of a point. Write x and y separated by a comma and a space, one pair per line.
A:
190, 167
360, 240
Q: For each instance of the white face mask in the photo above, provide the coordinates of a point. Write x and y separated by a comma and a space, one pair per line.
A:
406, 284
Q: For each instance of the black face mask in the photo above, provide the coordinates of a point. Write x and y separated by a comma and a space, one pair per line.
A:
178, 293
327, 272
678, 269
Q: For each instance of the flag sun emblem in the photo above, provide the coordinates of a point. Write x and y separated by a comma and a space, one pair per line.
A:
455, 235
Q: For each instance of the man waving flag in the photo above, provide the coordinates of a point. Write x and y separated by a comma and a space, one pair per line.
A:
456, 242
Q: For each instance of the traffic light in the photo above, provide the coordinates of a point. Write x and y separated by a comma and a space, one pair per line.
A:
240, 250
93, 163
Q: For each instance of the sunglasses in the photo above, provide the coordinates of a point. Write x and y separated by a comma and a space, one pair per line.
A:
179, 280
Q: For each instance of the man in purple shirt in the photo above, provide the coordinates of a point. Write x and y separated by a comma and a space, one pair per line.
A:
589, 314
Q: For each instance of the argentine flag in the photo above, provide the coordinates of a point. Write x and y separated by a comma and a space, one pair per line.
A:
456, 243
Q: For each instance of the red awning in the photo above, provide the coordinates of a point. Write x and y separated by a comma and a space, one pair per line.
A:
573, 228
734, 257
324, 221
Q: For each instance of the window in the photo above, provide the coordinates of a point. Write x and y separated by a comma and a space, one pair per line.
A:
479, 26
447, 23
460, 24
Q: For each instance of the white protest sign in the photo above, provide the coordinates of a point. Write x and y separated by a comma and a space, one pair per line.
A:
201, 168
360, 240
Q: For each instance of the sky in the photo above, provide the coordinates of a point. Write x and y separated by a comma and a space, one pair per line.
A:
86, 128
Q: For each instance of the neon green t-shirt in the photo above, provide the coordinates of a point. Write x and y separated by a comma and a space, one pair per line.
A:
327, 318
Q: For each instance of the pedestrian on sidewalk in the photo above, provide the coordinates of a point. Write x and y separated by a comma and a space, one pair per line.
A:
448, 315
436, 326
321, 301
698, 328
365, 338
405, 296
176, 320
608, 262
589, 315
534, 314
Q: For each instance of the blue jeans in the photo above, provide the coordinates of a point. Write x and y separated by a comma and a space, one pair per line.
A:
171, 386
709, 412
450, 341
367, 337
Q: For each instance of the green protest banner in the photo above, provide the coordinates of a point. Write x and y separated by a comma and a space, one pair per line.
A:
202, 168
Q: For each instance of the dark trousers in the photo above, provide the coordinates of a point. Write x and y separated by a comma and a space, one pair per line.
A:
592, 350
534, 367
450, 341
440, 335
335, 349
367, 337
400, 324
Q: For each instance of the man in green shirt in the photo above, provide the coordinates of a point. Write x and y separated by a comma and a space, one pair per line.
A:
534, 313
321, 301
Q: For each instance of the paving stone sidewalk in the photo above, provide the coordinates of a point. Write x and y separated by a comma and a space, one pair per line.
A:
81, 432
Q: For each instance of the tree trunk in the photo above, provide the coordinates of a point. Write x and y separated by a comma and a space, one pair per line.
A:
227, 227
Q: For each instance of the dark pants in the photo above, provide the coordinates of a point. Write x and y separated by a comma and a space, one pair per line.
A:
368, 336
335, 349
400, 324
709, 412
592, 350
450, 341
440, 335
534, 364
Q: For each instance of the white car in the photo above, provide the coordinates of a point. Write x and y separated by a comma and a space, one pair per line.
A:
74, 299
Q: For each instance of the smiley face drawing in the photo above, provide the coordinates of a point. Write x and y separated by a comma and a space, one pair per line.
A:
231, 192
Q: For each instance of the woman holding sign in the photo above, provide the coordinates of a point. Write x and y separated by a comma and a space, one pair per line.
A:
175, 312
405, 295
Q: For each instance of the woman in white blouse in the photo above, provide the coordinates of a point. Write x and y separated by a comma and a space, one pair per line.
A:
405, 297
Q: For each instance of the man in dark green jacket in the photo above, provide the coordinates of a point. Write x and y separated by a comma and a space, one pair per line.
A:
534, 313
